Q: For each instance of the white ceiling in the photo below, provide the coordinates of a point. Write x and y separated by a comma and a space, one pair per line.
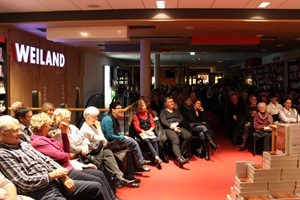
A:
278, 32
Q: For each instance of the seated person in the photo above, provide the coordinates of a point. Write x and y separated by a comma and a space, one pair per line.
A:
273, 107
261, 121
251, 110
59, 152
8, 190
36, 175
80, 145
171, 120
111, 129
196, 121
48, 108
93, 134
144, 126
287, 114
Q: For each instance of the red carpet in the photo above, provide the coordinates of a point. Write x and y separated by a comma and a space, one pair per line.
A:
198, 180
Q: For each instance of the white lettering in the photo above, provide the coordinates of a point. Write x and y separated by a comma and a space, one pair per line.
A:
36, 55
62, 60
22, 53
32, 55
49, 59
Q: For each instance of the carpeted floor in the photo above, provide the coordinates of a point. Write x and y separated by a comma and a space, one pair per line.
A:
198, 180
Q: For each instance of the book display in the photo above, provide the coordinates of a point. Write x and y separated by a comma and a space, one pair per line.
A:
269, 76
3, 98
294, 74
277, 177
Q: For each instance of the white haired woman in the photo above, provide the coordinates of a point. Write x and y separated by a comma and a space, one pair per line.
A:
80, 145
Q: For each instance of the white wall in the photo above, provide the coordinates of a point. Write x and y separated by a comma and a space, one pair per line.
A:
94, 72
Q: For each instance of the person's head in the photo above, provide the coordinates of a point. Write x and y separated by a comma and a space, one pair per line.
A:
252, 100
193, 96
16, 105
24, 114
61, 115
9, 130
198, 104
141, 106
188, 101
244, 96
41, 123
234, 99
273, 98
264, 98
169, 103
287, 103
90, 115
48, 108
115, 109
262, 106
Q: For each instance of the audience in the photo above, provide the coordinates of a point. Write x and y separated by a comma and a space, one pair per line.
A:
36, 175
287, 114
273, 107
171, 120
144, 126
111, 128
48, 108
197, 123
24, 114
59, 152
262, 120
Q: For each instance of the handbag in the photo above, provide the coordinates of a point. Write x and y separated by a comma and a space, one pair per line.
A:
117, 145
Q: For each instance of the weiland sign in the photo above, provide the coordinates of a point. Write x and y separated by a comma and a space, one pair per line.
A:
28, 54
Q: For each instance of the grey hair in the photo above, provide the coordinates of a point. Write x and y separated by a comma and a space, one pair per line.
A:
91, 111
6, 121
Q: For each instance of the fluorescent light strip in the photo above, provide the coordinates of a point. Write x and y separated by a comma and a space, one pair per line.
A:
160, 4
263, 4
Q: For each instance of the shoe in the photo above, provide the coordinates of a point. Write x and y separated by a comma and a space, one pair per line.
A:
143, 169
121, 182
134, 185
147, 162
214, 146
207, 157
158, 163
242, 147
137, 180
181, 161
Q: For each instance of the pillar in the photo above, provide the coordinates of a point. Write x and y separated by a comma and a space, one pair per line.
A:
145, 68
156, 70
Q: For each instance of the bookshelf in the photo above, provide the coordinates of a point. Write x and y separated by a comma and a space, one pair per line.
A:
3, 96
294, 74
269, 76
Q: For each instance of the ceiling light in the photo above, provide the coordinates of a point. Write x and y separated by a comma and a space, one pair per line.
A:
263, 4
192, 53
160, 4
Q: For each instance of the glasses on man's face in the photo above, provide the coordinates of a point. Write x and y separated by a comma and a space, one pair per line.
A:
118, 108
11, 131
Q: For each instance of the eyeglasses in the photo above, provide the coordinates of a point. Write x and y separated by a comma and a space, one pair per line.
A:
118, 108
12, 130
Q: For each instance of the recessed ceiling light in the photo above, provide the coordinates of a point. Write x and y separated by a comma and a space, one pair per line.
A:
263, 4
160, 4
192, 53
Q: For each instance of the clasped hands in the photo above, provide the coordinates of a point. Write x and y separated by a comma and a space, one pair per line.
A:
174, 126
62, 175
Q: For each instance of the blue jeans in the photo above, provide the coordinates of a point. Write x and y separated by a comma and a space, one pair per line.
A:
134, 146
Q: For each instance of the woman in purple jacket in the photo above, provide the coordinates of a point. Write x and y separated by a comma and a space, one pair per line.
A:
40, 124
262, 120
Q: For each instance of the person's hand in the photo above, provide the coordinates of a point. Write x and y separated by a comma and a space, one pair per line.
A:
58, 173
97, 123
234, 117
69, 184
63, 126
173, 125
85, 150
90, 165
72, 155
177, 130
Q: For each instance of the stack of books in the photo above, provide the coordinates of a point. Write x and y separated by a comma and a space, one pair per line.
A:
272, 160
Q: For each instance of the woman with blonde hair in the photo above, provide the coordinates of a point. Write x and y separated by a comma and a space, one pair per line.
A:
144, 126
59, 152
81, 146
